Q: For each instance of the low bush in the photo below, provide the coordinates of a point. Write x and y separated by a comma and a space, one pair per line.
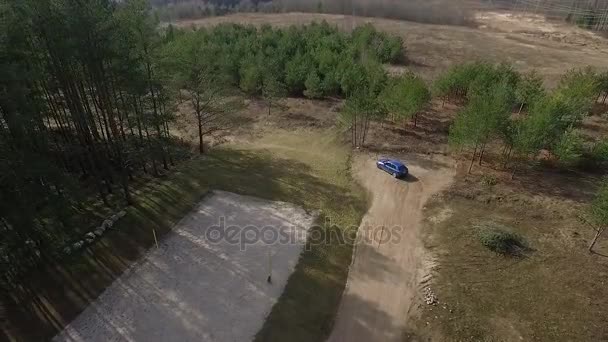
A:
489, 180
501, 240
569, 148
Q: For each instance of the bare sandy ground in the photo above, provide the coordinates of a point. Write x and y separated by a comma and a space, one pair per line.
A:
191, 289
388, 266
528, 42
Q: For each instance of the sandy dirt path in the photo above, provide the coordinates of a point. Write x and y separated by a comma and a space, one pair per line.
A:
389, 263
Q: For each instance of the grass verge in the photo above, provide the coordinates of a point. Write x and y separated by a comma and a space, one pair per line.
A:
309, 168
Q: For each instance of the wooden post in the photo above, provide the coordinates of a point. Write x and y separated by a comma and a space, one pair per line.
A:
269, 279
598, 233
155, 240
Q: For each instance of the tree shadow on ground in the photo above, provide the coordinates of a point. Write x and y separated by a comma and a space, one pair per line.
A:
56, 293
573, 185
368, 321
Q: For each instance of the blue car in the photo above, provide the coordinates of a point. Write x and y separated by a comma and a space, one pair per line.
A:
392, 166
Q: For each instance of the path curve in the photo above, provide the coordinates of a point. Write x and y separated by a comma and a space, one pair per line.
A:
383, 279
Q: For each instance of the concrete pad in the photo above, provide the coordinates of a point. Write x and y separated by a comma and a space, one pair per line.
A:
196, 288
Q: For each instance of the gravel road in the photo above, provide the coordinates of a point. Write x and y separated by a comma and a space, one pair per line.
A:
191, 289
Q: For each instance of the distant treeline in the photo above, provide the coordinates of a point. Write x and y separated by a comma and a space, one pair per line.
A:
432, 11
589, 14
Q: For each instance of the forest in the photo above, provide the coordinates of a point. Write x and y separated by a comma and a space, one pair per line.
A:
89, 91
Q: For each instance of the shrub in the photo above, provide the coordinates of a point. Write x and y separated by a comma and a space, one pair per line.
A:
392, 50
405, 96
603, 86
600, 151
501, 240
578, 90
489, 180
569, 148
314, 86
468, 80
385, 48
529, 89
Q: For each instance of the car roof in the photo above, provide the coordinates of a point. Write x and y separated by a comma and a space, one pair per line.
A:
392, 161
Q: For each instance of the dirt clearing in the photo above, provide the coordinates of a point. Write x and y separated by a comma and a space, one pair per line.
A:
194, 288
389, 261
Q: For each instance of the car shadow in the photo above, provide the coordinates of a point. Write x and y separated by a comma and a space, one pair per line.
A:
409, 178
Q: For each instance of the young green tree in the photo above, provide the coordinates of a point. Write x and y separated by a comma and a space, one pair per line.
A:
251, 76
314, 86
529, 89
569, 148
297, 71
482, 119
405, 96
603, 86
211, 96
577, 90
359, 110
363, 103
273, 90
541, 128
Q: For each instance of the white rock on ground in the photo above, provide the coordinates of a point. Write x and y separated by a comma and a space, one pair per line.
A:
193, 290
107, 224
89, 237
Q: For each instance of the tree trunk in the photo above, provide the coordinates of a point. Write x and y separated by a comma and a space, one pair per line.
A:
152, 157
156, 115
365, 128
508, 157
125, 185
483, 149
513, 171
355, 125
201, 148
520, 108
472, 159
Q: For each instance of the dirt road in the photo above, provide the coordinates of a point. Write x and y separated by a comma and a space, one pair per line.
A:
389, 262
